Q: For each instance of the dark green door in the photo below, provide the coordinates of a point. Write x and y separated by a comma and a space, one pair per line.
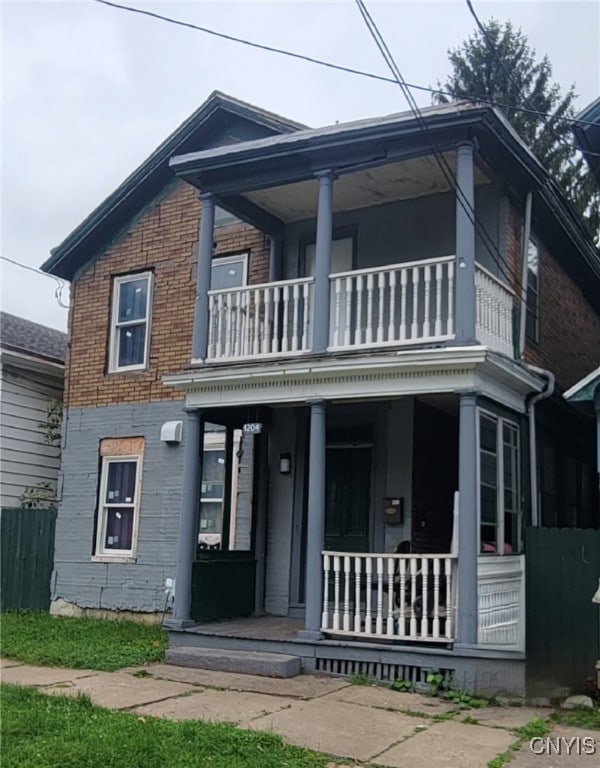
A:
348, 499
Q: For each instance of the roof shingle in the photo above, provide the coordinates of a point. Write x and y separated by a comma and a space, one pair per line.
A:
27, 337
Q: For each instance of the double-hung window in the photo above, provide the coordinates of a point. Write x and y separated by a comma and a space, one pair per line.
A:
118, 505
532, 309
130, 323
499, 485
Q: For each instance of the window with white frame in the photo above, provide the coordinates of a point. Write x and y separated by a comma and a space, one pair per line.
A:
229, 271
130, 323
118, 505
499, 485
532, 309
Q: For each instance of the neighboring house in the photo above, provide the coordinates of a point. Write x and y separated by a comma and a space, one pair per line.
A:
392, 363
32, 359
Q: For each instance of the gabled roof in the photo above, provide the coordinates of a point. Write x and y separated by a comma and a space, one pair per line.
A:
210, 124
33, 339
584, 390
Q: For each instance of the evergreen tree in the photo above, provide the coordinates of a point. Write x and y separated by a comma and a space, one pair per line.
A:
501, 66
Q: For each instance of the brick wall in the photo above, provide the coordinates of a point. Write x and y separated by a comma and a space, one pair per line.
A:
569, 343
164, 240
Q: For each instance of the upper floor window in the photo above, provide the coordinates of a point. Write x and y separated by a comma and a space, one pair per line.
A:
499, 485
130, 324
118, 505
229, 271
532, 314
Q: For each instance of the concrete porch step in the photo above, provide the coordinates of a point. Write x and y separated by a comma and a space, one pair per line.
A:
246, 662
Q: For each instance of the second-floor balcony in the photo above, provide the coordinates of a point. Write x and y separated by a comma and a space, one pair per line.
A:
397, 305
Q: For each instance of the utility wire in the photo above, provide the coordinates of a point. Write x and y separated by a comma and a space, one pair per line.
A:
447, 172
60, 283
333, 65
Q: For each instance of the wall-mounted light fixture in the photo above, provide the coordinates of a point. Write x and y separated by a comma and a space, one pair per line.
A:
285, 463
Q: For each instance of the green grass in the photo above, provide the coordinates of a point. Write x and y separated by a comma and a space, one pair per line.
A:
582, 717
38, 638
40, 731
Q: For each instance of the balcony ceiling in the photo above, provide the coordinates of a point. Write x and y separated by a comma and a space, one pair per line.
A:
412, 178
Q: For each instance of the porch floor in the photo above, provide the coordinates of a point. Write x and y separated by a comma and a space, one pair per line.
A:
280, 628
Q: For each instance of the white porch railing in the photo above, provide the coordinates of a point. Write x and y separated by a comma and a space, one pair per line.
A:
403, 597
395, 304
494, 303
501, 604
260, 320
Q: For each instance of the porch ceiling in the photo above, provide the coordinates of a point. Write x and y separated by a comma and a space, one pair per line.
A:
416, 177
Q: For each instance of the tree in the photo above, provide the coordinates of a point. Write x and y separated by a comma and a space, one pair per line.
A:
498, 64
44, 493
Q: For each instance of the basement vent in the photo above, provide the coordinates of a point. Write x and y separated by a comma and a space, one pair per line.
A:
377, 670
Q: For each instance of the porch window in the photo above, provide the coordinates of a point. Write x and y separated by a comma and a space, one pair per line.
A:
499, 485
130, 323
229, 271
118, 505
532, 317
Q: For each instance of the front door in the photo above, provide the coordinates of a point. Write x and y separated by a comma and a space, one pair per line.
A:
348, 499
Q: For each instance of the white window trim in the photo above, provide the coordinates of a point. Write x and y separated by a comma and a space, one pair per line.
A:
500, 511
114, 367
233, 258
117, 555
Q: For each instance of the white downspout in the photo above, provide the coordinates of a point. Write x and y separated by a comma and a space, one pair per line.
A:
545, 393
524, 254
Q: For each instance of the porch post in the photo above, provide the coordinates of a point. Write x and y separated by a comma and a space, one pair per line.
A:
468, 534
323, 262
465, 246
315, 522
205, 249
188, 522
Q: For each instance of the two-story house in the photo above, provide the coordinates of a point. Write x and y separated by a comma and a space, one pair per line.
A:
314, 377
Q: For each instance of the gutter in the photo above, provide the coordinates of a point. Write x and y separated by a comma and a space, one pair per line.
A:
532, 400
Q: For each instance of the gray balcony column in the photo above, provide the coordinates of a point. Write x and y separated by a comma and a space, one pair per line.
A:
188, 521
316, 522
465, 245
323, 262
205, 249
275, 256
468, 520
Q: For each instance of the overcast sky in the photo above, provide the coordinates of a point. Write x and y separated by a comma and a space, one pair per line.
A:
89, 91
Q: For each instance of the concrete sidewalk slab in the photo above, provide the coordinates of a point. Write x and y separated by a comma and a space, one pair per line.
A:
301, 687
449, 745
580, 756
116, 690
338, 728
27, 674
506, 717
236, 707
385, 698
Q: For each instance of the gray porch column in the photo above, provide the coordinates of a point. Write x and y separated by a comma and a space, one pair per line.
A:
205, 249
188, 522
323, 262
465, 246
315, 522
468, 534
275, 271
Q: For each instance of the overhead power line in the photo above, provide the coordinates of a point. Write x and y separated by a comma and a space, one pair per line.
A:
330, 64
447, 172
60, 283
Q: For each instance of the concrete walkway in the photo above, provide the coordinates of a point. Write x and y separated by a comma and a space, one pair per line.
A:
368, 725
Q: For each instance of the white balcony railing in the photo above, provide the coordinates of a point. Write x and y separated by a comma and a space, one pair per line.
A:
400, 304
260, 320
501, 604
396, 304
396, 597
494, 303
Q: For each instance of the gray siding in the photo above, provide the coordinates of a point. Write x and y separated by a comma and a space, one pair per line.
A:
135, 586
420, 228
26, 459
